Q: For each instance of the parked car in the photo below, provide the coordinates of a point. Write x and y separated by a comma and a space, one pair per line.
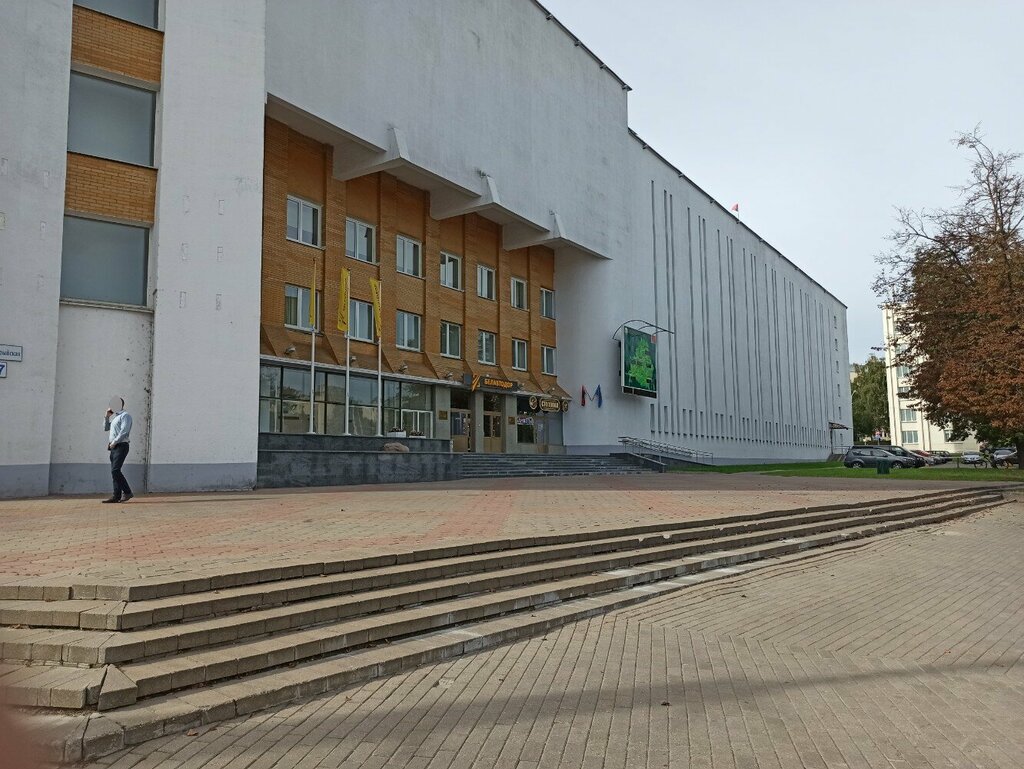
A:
972, 458
1004, 457
943, 456
928, 458
910, 459
870, 456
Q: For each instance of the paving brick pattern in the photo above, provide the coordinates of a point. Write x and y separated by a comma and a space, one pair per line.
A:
901, 652
163, 535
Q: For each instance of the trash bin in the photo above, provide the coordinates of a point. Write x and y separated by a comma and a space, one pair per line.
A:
883, 466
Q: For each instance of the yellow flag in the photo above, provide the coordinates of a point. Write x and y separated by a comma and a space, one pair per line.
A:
375, 290
312, 297
343, 287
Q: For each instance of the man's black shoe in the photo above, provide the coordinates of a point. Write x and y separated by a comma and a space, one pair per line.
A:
126, 497
112, 499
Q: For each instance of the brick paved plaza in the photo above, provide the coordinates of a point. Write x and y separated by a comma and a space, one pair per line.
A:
904, 651
167, 535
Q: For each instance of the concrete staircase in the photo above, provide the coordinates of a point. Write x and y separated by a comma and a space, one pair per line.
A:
525, 465
104, 666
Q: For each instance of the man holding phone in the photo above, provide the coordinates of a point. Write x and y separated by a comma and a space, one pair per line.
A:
118, 423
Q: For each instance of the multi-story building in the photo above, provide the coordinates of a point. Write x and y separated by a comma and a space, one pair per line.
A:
176, 178
907, 423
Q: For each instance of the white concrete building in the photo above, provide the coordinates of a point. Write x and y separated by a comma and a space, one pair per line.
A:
133, 216
907, 423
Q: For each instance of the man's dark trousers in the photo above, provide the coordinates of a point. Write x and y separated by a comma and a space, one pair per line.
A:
117, 457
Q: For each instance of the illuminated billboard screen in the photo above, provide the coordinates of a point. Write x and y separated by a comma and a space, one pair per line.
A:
639, 364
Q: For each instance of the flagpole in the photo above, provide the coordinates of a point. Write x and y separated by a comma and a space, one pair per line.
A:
380, 394
348, 368
312, 375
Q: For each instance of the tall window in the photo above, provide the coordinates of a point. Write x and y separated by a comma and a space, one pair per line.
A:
451, 339
547, 360
547, 303
909, 436
407, 335
519, 293
111, 120
519, 354
485, 282
908, 415
303, 221
485, 346
451, 270
359, 241
296, 307
360, 320
407, 252
141, 12
103, 262
902, 371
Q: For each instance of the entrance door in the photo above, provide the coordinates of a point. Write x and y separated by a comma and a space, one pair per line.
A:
462, 430
492, 432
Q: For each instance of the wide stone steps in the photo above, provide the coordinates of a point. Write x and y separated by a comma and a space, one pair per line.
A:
224, 652
527, 465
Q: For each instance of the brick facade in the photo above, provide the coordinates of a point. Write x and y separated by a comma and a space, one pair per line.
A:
105, 43
109, 189
296, 165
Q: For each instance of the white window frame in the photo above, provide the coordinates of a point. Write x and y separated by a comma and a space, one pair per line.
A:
302, 204
353, 328
904, 415
551, 370
486, 280
302, 292
447, 259
524, 346
482, 347
446, 327
404, 244
549, 295
360, 228
905, 437
403, 320
526, 294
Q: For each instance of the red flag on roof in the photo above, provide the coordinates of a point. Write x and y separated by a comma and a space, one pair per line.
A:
735, 207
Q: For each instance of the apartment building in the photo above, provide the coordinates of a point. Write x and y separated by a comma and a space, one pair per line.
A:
181, 180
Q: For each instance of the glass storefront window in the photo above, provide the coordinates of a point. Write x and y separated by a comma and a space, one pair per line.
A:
492, 402
270, 381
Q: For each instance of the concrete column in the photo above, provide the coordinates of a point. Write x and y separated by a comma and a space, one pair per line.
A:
509, 434
476, 406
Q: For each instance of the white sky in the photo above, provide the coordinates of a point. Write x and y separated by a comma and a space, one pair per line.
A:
817, 116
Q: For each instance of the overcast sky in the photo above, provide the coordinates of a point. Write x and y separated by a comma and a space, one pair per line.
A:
817, 116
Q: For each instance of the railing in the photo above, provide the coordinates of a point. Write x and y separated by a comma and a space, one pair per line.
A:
642, 446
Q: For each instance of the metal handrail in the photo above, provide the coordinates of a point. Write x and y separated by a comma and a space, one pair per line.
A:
668, 449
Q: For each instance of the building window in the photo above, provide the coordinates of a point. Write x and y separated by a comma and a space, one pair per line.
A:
359, 241
111, 120
407, 253
908, 415
407, 335
360, 320
902, 372
451, 271
141, 12
519, 293
547, 360
104, 262
909, 436
547, 303
409, 406
485, 282
485, 347
284, 402
451, 339
519, 354
303, 221
296, 307
903, 392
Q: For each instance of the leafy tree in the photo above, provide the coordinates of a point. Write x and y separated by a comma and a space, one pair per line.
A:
870, 400
955, 279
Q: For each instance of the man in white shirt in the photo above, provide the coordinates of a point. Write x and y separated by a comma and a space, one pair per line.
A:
119, 425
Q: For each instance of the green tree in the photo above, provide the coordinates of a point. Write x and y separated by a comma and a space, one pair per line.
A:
870, 399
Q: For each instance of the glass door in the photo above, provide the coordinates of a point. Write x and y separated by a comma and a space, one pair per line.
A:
462, 430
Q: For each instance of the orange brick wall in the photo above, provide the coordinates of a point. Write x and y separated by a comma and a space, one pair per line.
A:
109, 188
296, 165
101, 41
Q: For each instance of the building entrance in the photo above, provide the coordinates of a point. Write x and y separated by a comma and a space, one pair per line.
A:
462, 430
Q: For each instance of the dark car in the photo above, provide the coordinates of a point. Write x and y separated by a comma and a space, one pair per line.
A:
870, 456
942, 456
910, 459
